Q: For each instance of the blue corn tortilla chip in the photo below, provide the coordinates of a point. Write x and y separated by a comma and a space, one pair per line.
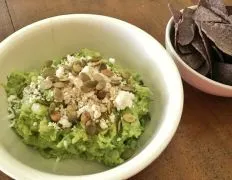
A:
188, 49
217, 54
217, 6
194, 60
220, 34
223, 73
186, 28
204, 14
175, 13
229, 10
198, 44
206, 43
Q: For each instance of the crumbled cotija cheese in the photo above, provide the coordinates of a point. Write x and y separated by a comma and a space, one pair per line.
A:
60, 72
124, 99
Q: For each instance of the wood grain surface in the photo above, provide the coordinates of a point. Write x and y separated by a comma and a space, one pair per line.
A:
202, 146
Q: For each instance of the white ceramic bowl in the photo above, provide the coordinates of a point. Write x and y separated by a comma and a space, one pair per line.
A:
57, 36
191, 76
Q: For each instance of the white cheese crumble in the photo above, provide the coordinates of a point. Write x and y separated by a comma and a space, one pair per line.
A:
36, 108
52, 124
124, 99
103, 124
96, 110
112, 60
60, 72
11, 98
64, 122
112, 117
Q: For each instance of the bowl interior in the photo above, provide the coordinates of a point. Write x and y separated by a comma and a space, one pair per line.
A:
56, 37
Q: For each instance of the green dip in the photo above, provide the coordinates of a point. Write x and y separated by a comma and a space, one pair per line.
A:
81, 105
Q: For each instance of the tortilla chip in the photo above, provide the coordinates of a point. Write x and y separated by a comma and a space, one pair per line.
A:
220, 34
203, 14
176, 26
175, 13
186, 28
198, 44
194, 60
207, 48
223, 73
229, 10
218, 6
204, 69
227, 58
188, 49
217, 54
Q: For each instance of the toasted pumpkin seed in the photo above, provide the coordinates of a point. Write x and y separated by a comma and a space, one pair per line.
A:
101, 94
91, 128
102, 66
49, 71
84, 77
98, 77
55, 116
59, 84
101, 85
128, 117
58, 95
95, 59
72, 115
88, 86
46, 84
119, 126
107, 72
53, 78
52, 108
85, 116
128, 88
76, 68
115, 82
126, 75
64, 79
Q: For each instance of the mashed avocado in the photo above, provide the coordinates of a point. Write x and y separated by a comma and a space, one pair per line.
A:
82, 105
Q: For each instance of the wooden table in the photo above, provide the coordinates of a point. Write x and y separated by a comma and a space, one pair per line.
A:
202, 145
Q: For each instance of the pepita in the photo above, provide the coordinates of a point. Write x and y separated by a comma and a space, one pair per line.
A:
46, 84
55, 116
85, 116
63, 79
84, 77
91, 128
101, 94
88, 86
128, 117
127, 88
98, 77
102, 67
101, 85
59, 84
107, 72
52, 108
125, 75
95, 59
49, 71
76, 68
115, 82
58, 95
53, 78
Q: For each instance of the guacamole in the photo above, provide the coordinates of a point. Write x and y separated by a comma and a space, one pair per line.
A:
81, 105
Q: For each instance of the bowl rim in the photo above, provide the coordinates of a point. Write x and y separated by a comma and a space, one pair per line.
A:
169, 27
168, 127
